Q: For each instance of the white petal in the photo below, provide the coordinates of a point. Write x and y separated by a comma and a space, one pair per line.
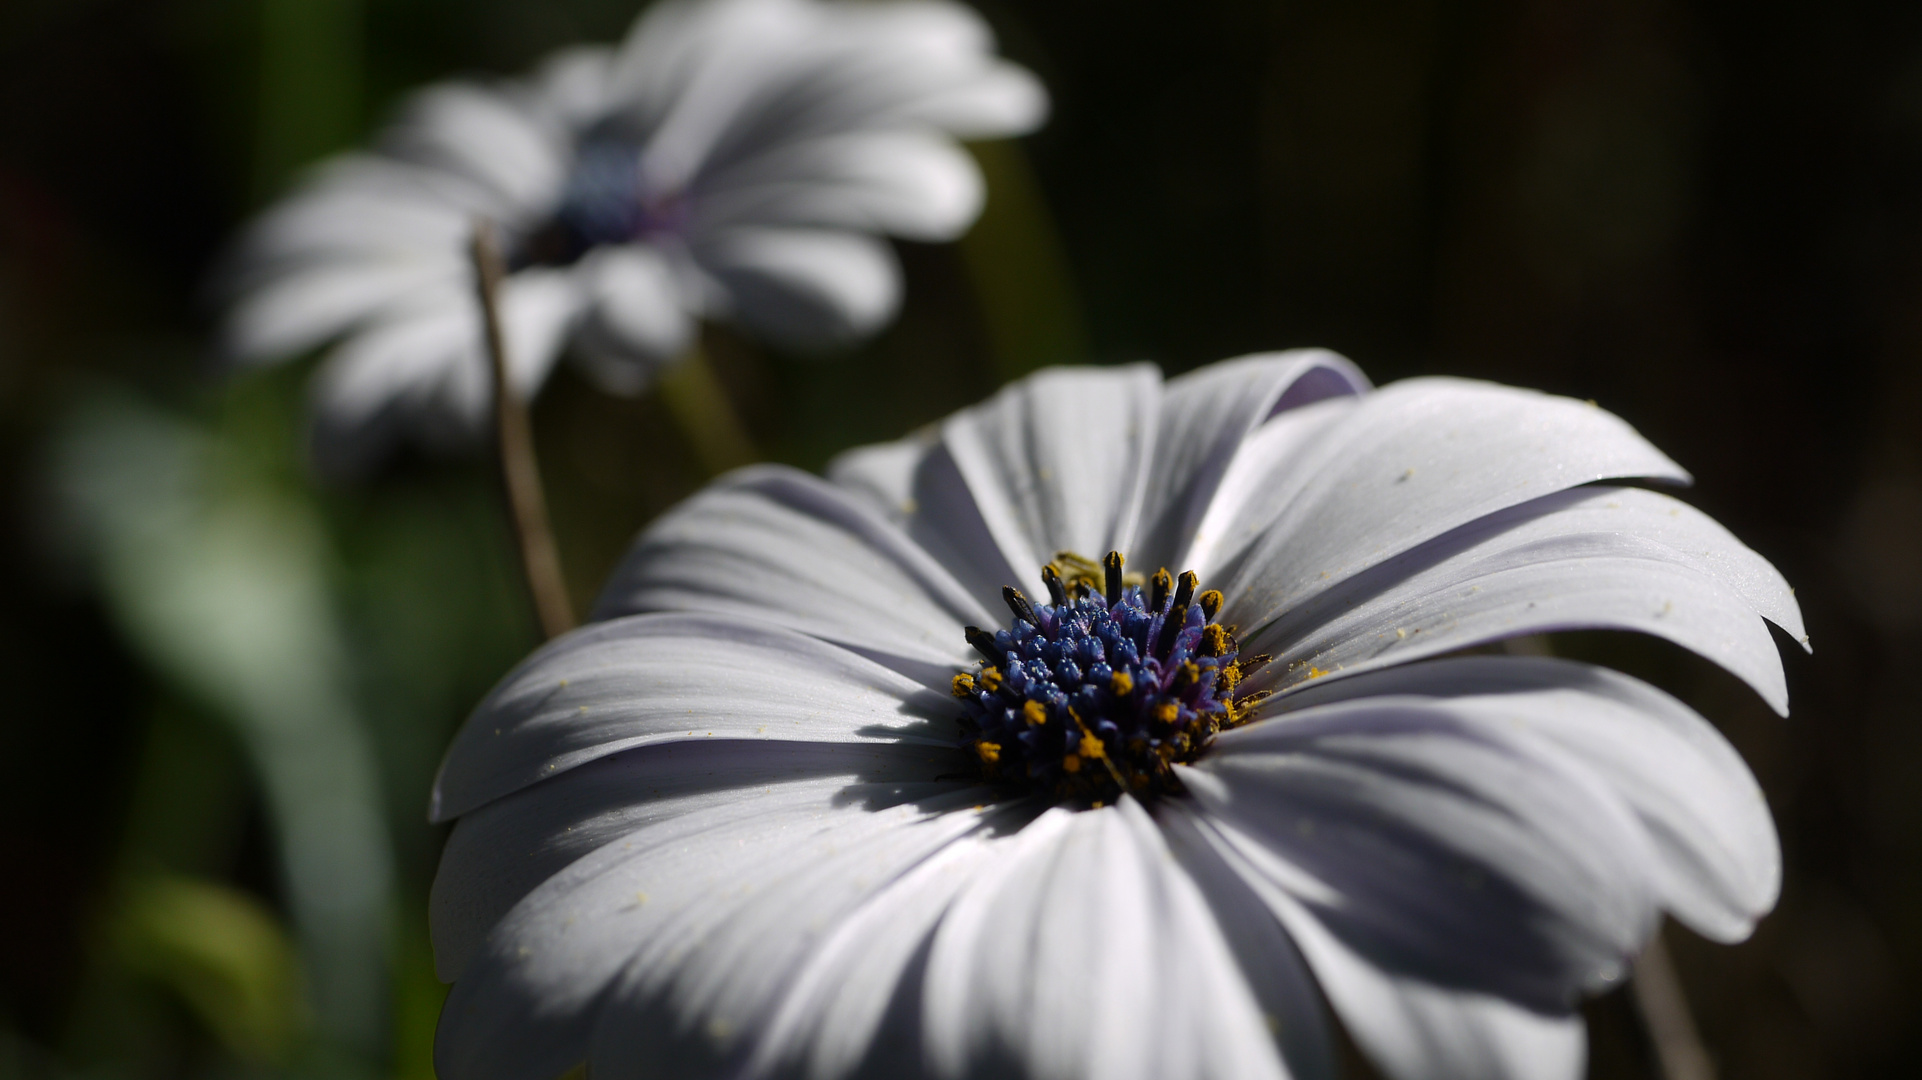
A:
1572, 560
853, 1004
804, 288
414, 374
1059, 461
916, 484
669, 941
296, 311
677, 1005
1088, 952
665, 678
571, 86
685, 66
911, 184
883, 475
1410, 462
1720, 867
1419, 1031
1416, 1030
718, 83
1438, 844
499, 853
922, 62
637, 318
539, 310
777, 545
1701, 542
422, 372
1273, 967
477, 133
364, 205
1001, 101
1205, 417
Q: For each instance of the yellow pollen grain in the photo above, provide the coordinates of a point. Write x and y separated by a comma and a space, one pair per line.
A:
1035, 712
1214, 639
1092, 748
990, 751
1071, 764
1230, 677
963, 685
1315, 672
1167, 711
1121, 683
991, 679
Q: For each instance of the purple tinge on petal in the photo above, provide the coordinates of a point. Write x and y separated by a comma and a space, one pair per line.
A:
1572, 560
1438, 846
1409, 462
651, 679
1719, 865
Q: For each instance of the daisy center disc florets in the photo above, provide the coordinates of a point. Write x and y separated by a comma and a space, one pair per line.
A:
1105, 688
602, 203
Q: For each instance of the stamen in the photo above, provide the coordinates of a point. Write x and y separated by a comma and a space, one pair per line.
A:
1019, 604
1177, 617
1185, 594
1051, 577
1144, 678
1214, 639
983, 643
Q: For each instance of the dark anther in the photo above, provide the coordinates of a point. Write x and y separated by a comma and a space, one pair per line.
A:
1185, 593
1158, 587
1112, 564
1210, 602
1052, 579
1252, 664
983, 643
1215, 640
1019, 604
1177, 614
1185, 676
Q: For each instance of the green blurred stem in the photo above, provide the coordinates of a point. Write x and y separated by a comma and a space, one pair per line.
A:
520, 472
700, 405
1663, 1009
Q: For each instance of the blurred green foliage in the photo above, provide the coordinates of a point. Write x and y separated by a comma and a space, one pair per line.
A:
224, 953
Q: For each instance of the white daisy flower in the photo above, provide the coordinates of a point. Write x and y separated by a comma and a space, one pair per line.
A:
733, 159
821, 795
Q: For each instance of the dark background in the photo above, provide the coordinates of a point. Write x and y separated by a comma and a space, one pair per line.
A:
1705, 216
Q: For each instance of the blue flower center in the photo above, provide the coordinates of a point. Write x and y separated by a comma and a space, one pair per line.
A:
604, 203
1106, 688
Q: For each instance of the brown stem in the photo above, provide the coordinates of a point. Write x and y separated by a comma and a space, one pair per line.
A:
520, 474
1663, 1008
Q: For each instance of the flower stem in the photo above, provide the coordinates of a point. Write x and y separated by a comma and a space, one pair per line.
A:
707, 419
520, 473
1663, 1009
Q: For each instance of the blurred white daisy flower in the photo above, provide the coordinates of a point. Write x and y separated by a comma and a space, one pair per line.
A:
733, 159
802, 803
